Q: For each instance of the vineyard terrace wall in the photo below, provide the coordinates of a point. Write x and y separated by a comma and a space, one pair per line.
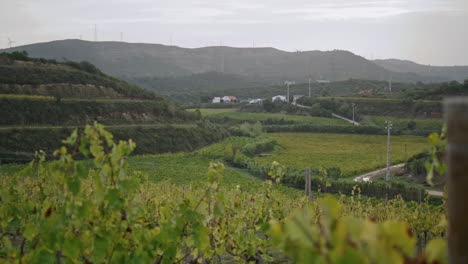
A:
41, 110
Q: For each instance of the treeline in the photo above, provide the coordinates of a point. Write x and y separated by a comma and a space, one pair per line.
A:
200, 88
452, 88
19, 110
41, 71
374, 106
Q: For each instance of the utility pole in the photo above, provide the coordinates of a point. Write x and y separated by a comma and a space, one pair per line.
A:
288, 83
406, 153
455, 110
309, 89
388, 127
353, 111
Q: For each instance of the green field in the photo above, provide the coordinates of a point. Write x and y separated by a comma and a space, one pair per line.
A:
184, 169
191, 168
402, 123
296, 118
212, 111
353, 154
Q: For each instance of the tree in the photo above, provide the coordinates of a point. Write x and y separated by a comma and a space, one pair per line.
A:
268, 105
411, 124
19, 55
257, 128
205, 99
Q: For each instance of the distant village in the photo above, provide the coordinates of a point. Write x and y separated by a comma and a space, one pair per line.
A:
279, 98
233, 99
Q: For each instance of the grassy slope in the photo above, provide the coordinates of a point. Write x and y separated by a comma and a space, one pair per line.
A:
296, 118
212, 111
354, 154
435, 124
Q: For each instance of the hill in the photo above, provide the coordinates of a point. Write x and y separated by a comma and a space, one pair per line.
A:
191, 93
47, 92
458, 73
130, 60
20, 74
42, 101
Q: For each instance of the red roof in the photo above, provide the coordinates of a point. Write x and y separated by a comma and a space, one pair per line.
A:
231, 97
364, 91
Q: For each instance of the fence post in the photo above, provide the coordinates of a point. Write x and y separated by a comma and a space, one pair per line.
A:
456, 118
419, 196
308, 185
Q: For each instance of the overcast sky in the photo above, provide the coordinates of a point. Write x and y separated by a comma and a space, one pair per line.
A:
426, 31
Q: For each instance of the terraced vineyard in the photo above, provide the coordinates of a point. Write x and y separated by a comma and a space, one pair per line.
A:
212, 111
353, 154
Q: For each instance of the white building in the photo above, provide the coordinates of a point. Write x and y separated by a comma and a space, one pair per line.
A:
216, 100
227, 99
255, 101
295, 97
279, 97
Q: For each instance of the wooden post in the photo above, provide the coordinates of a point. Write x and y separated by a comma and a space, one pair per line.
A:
456, 118
419, 195
308, 185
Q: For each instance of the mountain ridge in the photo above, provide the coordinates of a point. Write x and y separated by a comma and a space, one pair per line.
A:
136, 60
456, 72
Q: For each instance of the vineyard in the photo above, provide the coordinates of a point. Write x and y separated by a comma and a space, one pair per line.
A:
401, 123
103, 210
212, 111
253, 117
353, 154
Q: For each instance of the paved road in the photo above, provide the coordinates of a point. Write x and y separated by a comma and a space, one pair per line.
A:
435, 193
346, 119
368, 177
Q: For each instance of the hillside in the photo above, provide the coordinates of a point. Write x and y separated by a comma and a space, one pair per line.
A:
458, 73
192, 94
132, 60
41, 101
20, 74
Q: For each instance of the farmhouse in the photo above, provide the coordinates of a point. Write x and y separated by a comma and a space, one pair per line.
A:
216, 100
230, 98
279, 97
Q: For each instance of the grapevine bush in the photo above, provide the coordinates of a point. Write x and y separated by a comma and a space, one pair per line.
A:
96, 211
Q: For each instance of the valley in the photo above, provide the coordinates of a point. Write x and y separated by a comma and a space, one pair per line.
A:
212, 180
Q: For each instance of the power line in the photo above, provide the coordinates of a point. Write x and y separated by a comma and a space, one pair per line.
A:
389, 126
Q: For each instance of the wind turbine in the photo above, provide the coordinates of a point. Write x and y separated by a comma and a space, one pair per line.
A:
10, 42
